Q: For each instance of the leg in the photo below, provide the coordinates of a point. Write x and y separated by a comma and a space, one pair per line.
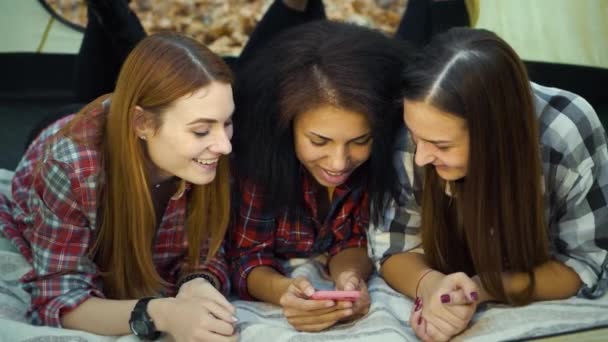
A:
281, 15
415, 26
425, 18
112, 32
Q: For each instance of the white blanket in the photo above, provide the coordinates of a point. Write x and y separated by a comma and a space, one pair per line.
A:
387, 320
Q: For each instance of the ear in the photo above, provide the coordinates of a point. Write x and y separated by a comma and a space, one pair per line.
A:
142, 123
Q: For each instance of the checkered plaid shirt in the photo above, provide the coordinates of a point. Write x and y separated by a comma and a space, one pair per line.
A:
53, 217
262, 238
575, 168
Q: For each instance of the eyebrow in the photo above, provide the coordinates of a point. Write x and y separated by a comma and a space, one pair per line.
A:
435, 142
438, 142
206, 120
353, 139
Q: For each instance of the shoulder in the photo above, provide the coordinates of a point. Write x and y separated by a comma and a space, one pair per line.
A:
570, 130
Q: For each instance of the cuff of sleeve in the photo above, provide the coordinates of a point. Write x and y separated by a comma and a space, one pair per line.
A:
245, 267
50, 313
594, 284
354, 242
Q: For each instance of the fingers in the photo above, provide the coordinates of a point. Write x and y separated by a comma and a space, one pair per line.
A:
332, 316
220, 312
468, 286
418, 324
456, 297
293, 311
289, 300
314, 327
349, 281
435, 334
302, 287
362, 304
446, 323
219, 298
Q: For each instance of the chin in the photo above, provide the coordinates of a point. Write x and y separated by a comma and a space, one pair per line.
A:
449, 175
198, 180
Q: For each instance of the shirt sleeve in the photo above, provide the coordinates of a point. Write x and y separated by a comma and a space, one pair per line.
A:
355, 234
251, 239
579, 216
218, 267
399, 227
63, 275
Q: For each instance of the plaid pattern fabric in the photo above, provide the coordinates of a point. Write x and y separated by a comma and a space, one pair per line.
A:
260, 237
53, 217
574, 158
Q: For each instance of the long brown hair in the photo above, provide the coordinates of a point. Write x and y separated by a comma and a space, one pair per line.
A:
161, 69
493, 221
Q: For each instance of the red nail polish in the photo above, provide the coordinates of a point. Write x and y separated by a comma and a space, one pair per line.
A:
419, 320
474, 296
418, 307
417, 301
445, 298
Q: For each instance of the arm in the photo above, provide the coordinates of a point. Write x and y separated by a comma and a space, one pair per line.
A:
392, 272
116, 314
547, 276
351, 260
251, 246
268, 285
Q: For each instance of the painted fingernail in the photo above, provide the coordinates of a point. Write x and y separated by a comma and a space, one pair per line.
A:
417, 301
419, 320
418, 307
445, 298
474, 295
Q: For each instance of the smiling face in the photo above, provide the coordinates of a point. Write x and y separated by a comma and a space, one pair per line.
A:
331, 143
195, 131
441, 138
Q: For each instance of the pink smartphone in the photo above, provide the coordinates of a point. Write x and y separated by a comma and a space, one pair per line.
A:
337, 295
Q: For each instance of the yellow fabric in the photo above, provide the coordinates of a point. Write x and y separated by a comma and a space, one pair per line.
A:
473, 10
557, 31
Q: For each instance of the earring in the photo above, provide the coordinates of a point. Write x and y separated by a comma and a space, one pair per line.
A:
142, 137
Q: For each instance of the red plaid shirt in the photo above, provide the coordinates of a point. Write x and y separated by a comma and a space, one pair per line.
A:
53, 217
260, 237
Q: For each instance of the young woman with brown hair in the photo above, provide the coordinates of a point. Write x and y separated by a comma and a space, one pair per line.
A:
128, 200
504, 185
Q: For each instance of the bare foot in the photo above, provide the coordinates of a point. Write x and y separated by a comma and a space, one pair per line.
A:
298, 5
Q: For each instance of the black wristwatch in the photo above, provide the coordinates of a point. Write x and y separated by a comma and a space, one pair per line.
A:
141, 323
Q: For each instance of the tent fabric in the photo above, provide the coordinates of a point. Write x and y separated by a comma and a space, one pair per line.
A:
555, 31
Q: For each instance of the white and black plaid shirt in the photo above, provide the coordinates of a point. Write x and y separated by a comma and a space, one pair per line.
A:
575, 167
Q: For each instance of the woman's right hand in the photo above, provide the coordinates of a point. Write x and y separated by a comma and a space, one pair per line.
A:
310, 315
447, 304
192, 319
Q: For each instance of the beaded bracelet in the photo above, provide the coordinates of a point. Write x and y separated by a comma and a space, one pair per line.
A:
205, 276
420, 279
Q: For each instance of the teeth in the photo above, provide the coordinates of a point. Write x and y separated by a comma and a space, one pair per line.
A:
334, 173
206, 161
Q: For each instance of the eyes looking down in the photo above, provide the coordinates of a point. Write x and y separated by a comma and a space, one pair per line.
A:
441, 138
195, 132
331, 143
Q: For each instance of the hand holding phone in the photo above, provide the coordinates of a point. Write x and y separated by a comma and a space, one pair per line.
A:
337, 295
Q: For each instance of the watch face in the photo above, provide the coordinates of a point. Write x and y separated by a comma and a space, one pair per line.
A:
139, 328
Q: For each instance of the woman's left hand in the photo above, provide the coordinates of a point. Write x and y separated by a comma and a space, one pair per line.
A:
351, 281
201, 288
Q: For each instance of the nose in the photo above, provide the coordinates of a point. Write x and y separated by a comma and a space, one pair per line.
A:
423, 154
222, 143
339, 159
